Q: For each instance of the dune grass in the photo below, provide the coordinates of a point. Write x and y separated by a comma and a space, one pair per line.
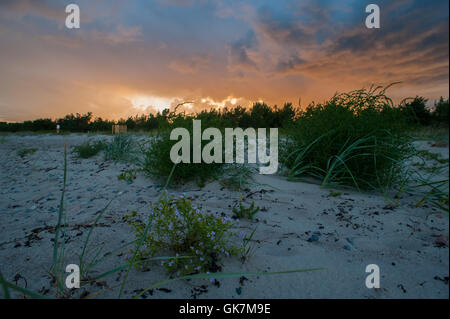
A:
237, 177
120, 149
360, 140
23, 152
88, 149
438, 135
156, 162
355, 139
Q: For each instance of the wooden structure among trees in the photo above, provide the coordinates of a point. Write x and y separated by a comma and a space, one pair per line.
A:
117, 129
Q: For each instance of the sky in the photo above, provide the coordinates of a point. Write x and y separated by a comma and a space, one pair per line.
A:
138, 56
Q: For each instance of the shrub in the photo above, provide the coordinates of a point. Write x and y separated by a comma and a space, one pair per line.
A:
417, 112
262, 113
88, 149
178, 227
441, 112
26, 151
354, 139
76, 123
157, 162
101, 125
120, 148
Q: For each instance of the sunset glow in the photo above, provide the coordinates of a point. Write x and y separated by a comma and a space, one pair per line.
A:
143, 102
213, 53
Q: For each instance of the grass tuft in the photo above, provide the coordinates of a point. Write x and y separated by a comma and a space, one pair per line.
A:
355, 139
157, 163
120, 149
88, 149
26, 151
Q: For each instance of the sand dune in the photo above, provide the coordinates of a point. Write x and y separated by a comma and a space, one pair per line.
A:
351, 230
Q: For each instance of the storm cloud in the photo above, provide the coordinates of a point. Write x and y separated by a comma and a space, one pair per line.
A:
134, 56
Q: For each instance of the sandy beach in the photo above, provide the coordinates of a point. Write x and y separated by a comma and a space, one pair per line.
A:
300, 225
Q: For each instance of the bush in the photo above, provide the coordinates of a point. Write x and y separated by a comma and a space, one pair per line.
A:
121, 148
76, 123
26, 151
157, 162
178, 227
88, 149
441, 112
417, 112
354, 139
101, 125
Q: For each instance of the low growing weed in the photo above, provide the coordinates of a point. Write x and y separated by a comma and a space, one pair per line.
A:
179, 227
128, 175
26, 151
236, 177
88, 149
248, 212
247, 248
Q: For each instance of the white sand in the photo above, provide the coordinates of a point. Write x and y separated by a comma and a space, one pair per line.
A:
400, 241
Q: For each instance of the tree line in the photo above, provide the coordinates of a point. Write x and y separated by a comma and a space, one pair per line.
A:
415, 111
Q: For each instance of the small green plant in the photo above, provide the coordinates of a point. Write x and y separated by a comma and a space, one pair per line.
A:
88, 149
128, 175
248, 212
335, 194
427, 155
26, 151
179, 227
60, 239
120, 149
247, 248
127, 217
236, 177
157, 163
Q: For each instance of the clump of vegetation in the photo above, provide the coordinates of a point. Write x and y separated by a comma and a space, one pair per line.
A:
236, 177
127, 175
441, 112
425, 179
88, 149
416, 111
438, 135
247, 248
120, 148
418, 114
248, 212
26, 151
335, 194
355, 139
427, 155
157, 162
178, 226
